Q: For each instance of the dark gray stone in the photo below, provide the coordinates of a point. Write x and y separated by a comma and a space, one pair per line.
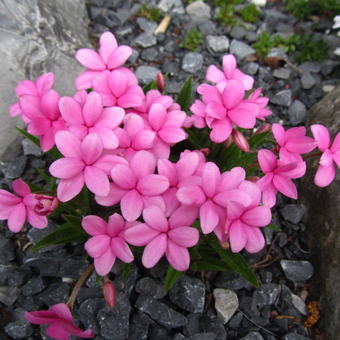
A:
295, 336
328, 66
146, 25
148, 286
171, 6
13, 276
293, 212
207, 27
7, 250
33, 286
310, 66
146, 40
231, 281
217, 43
189, 294
307, 80
204, 336
170, 67
72, 267
20, 328
297, 112
15, 168
192, 62
283, 98
88, 312
282, 73
160, 312
89, 293
55, 293
297, 270
253, 336
145, 74
238, 32
241, 49
199, 11
267, 294
251, 68
30, 149
139, 326
236, 320
8, 295
150, 54
114, 323
213, 324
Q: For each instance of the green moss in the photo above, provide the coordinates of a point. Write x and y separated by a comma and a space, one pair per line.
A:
250, 13
150, 13
304, 8
193, 40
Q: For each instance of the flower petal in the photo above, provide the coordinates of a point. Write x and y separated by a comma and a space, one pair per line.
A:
121, 250
93, 225
90, 59
286, 186
152, 185
255, 240
104, 263
154, 217
321, 136
140, 234
91, 148
97, 245
257, 217
324, 175
237, 236
66, 168
21, 188
154, 251
267, 160
70, 188
131, 205
178, 256
184, 236
96, 181
209, 217
68, 144
17, 217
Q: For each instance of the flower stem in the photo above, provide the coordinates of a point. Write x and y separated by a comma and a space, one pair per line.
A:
78, 285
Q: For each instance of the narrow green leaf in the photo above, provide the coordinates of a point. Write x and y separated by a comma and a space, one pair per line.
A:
209, 264
74, 221
150, 86
64, 234
126, 269
184, 98
172, 275
257, 140
33, 139
273, 227
234, 261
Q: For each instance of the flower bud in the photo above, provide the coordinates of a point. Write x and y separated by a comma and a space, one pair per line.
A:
109, 292
205, 151
160, 81
45, 204
240, 141
228, 142
253, 179
264, 128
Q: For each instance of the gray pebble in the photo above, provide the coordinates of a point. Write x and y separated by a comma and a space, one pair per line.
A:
283, 98
145, 74
192, 62
146, 40
217, 43
241, 49
297, 270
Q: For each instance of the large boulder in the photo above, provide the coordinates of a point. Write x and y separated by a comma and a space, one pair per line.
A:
323, 222
37, 36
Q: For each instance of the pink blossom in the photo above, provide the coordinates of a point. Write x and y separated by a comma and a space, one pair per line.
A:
240, 141
16, 209
45, 204
229, 72
109, 57
160, 81
293, 142
278, 176
60, 321
245, 218
89, 116
255, 97
162, 236
118, 88
330, 154
109, 293
135, 185
83, 163
107, 242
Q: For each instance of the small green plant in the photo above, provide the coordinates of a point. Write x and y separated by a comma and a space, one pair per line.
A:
250, 13
300, 47
150, 13
304, 8
193, 40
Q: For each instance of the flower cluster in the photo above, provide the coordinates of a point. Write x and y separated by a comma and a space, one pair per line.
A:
116, 141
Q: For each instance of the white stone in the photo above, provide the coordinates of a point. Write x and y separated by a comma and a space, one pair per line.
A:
259, 2
217, 43
172, 6
337, 51
226, 303
199, 11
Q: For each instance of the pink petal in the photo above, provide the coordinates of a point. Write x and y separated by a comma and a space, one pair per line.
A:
38, 126
152, 185
187, 165
243, 117
91, 148
121, 250
70, 188
214, 74
109, 139
66, 167
133, 97
17, 217
144, 139
97, 245
336, 143
44, 83
119, 56
253, 191
84, 80
324, 176
246, 80
178, 256
93, 225
49, 104
190, 195
233, 93
40, 317
285, 186
90, 59
115, 225
154, 251
8, 199
62, 311
237, 236
35, 220
183, 216
57, 331
232, 179
209, 217
70, 110
140, 235
175, 118
104, 263
210, 178
221, 130
123, 176
68, 144
157, 116
216, 110
257, 217
267, 160
279, 133
143, 163
184, 236
47, 141
172, 135
96, 181
92, 108
111, 117
106, 162
131, 205
229, 65
236, 195
154, 217
21, 188
269, 196
118, 83
255, 240
114, 196
108, 45
321, 136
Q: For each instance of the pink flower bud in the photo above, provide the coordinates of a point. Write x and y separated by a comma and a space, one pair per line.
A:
264, 128
109, 292
228, 142
45, 204
240, 141
160, 81
205, 151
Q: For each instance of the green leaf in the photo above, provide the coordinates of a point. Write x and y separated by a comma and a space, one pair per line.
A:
126, 269
172, 275
64, 234
257, 140
72, 220
33, 139
184, 98
150, 86
273, 227
234, 261
209, 264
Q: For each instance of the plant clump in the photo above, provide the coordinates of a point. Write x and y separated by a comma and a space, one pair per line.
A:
150, 13
193, 40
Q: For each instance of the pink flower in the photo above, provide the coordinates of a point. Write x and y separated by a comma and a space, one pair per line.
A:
330, 154
45, 204
293, 142
240, 141
162, 236
89, 116
60, 321
107, 243
278, 176
17, 209
135, 185
84, 163
110, 57
255, 97
225, 109
244, 219
118, 88
229, 72
109, 293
